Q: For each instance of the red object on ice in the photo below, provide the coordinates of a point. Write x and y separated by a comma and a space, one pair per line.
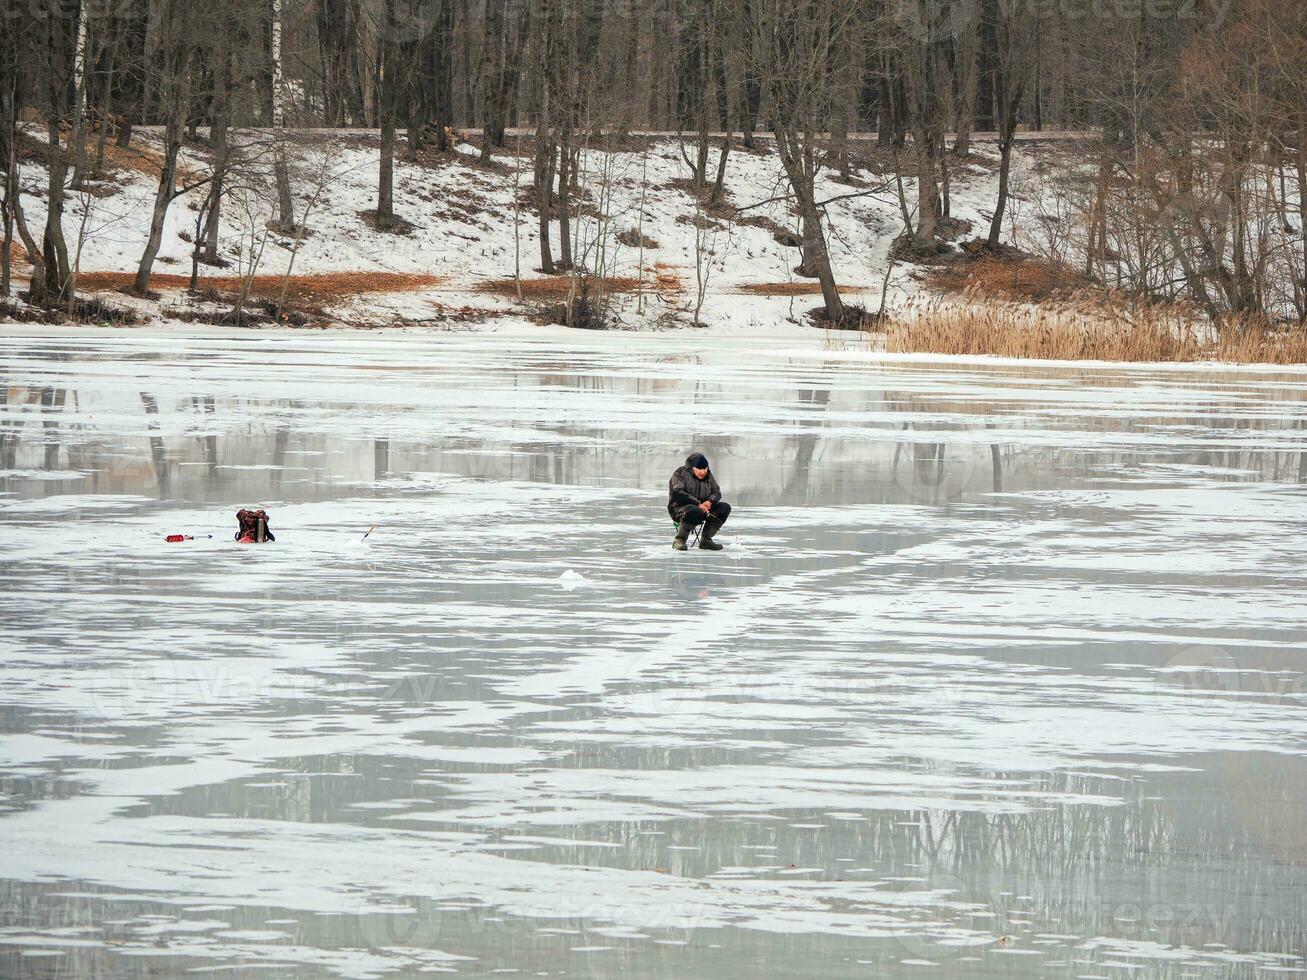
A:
252, 527
179, 537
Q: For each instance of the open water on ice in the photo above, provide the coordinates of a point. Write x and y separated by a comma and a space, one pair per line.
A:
1002, 673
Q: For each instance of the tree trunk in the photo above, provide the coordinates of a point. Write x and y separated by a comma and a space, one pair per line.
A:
106, 113
845, 102
544, 179
927, 190
1242, 299
700, 165
885, 128
220, 141
1004, 174
281, 170
566, 165
719, 184
5, 252
388, 68
1096, 243
15, 211
1010, 79
54, 248
987, 56
7, 242
811, 239
946, 180
818, 258
752, 106
443, 69
969, 54
81, 76
629, 69
386, 169
338, 26
9, 154
492, 78
512, 76
467, 67
1300, 165
717, 63
177, 47
218, 137
162, 198
752, 81
130, 32
799, 160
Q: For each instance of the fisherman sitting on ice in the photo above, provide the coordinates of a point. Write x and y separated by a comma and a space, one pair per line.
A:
694, 498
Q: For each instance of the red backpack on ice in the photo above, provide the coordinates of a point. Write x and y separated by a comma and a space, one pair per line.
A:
252, 527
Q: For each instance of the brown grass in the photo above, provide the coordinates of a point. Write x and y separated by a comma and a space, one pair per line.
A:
1038, 332
1251, 342
1007, 276
552, 288
796, 287
136, 157
325, 286
1047, 332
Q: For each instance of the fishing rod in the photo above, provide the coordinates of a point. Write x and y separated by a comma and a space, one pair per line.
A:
185, 537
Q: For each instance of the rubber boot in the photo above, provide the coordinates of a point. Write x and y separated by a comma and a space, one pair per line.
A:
705, 537
682, 532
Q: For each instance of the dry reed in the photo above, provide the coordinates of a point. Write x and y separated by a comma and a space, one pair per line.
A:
1246, 340
1054, 332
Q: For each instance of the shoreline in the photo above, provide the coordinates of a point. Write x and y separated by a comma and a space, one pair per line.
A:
814, 343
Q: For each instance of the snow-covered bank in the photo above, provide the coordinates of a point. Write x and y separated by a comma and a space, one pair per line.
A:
473, 226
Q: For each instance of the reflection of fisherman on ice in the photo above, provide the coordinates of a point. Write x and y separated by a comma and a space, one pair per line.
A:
695, 500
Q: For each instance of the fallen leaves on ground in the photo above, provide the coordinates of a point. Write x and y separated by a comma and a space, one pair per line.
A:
663, 280
326, 285
795, 287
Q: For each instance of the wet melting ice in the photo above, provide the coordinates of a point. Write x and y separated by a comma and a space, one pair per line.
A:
1000, 674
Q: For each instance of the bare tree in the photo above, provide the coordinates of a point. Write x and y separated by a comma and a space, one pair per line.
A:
392, 71
11, 98
1013, 34
53, 50
338, 24
178, 31
545, 41
924, 56
789, 42
280, 167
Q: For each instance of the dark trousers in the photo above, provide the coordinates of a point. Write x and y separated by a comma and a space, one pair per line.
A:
693, 516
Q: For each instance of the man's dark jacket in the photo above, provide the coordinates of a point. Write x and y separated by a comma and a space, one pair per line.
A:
685, 491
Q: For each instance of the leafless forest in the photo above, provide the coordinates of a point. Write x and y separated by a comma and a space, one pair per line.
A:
1188, 118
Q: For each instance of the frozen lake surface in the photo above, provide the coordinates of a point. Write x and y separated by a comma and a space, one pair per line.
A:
1001, 673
